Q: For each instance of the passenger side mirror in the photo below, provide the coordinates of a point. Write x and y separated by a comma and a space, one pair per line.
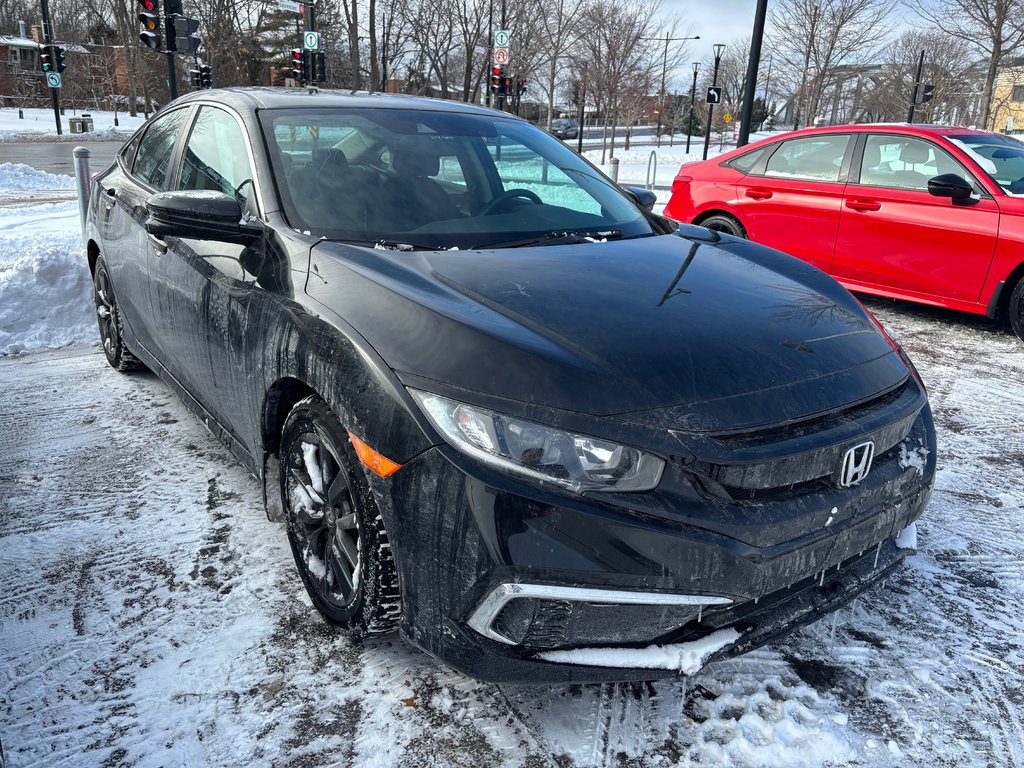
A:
950, 185
642, 197
200, 215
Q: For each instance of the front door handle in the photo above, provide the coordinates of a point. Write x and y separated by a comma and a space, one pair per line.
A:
758, 194
158, 245
863, 205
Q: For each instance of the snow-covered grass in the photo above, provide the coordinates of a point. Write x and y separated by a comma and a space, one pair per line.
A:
38, 124
150, 615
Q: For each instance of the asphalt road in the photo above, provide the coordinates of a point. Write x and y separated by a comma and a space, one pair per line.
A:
55, 156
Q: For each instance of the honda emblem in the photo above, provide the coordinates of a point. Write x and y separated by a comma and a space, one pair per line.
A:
856, 464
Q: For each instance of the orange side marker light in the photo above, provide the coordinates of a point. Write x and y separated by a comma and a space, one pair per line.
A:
377, 463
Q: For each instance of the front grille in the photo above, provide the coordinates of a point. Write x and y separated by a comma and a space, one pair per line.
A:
800, 458
820, 423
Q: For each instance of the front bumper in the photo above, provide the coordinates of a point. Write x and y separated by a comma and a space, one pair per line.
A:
496, 574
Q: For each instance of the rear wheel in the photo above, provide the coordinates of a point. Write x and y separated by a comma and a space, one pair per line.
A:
335, 529
1016, 309
108, 315
723, 222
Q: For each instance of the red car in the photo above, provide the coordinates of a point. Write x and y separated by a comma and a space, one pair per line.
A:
931, 214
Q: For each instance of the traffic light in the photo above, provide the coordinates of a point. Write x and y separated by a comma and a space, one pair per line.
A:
298, 64
150, 20
194, 78
185, 38
927, 92
506, 86
46, 59
58, 58
172, 7
520, 87
321, 65
496, 79
205, 76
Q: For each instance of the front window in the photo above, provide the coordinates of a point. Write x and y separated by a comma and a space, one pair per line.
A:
437, 180
1000, 157
216, 156
904, 162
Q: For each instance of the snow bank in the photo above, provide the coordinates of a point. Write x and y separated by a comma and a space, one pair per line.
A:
18, 177
45, 290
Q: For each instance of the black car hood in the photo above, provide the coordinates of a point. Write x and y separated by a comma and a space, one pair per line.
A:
714, 334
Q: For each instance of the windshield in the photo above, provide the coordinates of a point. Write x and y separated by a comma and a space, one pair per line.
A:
437, 180
1000, 157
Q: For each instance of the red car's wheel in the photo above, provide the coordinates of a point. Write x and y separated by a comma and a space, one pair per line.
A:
724, 223
1016, 309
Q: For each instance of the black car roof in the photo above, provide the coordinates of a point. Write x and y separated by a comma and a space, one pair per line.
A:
244, 99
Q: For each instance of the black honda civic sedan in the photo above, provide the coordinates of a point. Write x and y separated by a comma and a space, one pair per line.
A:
499, 404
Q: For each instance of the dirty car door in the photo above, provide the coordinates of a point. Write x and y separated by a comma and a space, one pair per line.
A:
201, 289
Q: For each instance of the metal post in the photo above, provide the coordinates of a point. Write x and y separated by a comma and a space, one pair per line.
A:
693, 96
718, 47
581, 111
309, 16
501, 90
82, 184
917, 84
47, 40
172, 79
661, 100
752, 65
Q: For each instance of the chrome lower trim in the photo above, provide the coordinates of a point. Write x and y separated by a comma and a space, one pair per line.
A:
489, 608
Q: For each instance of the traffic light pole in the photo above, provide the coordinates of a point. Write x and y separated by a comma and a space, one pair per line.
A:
47, 40
172, 80
711, 107
917, 84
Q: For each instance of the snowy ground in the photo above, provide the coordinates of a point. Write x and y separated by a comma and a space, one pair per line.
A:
150, 615
39, 124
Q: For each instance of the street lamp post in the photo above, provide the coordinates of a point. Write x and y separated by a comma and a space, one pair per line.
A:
664, 73
718, 48
693, 96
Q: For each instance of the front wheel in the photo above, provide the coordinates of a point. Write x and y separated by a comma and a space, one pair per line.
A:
335, 529
1016, 309
724, 223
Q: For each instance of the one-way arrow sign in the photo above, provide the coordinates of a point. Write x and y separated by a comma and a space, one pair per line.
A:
714, 95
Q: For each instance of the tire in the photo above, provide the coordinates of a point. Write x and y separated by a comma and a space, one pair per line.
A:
723, 222
334, 527
1015, 309
108, 316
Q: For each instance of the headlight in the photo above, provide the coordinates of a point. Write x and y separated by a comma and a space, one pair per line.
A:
577, 462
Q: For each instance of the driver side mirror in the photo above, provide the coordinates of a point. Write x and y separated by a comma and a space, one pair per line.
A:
950, 185
200, 215
645, 198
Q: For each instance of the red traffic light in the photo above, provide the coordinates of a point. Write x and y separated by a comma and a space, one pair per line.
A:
149, 5
496, 70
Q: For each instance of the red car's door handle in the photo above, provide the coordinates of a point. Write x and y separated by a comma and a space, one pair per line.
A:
758, 194
863, 205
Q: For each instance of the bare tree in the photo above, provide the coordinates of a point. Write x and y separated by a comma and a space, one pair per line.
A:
995, 28
812, 38
618, 42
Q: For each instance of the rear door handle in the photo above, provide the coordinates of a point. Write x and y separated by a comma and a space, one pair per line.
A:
863, 205
758, 194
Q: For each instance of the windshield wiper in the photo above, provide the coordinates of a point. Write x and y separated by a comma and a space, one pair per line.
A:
559, 237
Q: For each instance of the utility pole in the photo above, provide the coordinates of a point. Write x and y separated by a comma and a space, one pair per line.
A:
718, 48
664, 72
47, 41
752, 65
693, 97
917, 84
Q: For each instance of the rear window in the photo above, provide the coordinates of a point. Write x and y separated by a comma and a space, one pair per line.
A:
748, 160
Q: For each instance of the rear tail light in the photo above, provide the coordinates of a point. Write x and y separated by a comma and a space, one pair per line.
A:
680, 181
